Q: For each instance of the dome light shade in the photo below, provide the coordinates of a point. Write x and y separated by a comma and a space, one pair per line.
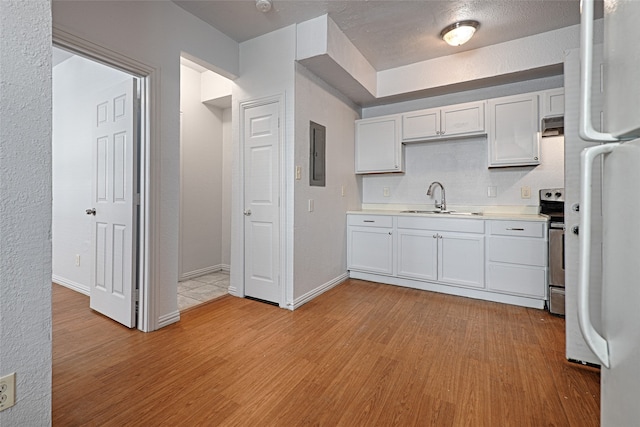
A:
459, 33
263, 6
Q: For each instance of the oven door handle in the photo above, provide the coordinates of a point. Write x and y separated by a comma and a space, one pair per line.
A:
594, 340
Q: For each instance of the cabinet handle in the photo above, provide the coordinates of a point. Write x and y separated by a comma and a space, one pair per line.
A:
535, 158
435, 236
389, 233
515, 229
368, 220
439, 237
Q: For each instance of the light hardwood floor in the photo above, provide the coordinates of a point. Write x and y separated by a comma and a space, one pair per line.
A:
362, 354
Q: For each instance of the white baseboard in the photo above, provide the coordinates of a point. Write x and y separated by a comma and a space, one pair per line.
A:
168, 319
78, 287
317, 291
202, 271
451, 290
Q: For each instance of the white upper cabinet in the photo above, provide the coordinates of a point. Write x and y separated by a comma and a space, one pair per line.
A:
513, 134
447, 122
552, 103
378, 145
420, 125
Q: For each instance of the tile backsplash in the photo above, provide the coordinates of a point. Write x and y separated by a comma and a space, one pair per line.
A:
461, 166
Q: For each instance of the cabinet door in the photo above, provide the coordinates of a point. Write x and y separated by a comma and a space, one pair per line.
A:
516, 279
378, 145
418, 254
370, 249
419, 125
513, 131
552, 103
461, 259
462, 119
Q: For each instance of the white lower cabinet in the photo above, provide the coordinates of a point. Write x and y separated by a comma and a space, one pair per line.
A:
453, 258
417, 254
517, 258
507, 263
370, 243
461, 259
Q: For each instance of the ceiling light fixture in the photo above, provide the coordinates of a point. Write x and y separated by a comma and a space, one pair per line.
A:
263, 6
459, 32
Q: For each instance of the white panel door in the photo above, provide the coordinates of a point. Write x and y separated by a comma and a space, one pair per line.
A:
114, 143
261, 177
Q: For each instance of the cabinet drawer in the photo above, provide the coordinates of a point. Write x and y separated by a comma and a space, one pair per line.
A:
442, 224
517, 228
371, 220
517, 280
517, 250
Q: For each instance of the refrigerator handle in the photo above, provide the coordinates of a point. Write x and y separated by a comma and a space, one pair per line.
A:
586, 129
594, 340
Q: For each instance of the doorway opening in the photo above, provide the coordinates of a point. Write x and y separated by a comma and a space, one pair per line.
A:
98, 141
205, 184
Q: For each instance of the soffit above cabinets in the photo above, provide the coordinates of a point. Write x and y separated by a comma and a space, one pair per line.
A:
392, 34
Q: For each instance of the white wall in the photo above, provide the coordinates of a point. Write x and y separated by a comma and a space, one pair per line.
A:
227, 159
25, 208
266, 69
320, 236
75, 83
202, 168
155, 33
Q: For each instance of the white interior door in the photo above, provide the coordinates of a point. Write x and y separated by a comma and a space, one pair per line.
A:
114, 203
261, 177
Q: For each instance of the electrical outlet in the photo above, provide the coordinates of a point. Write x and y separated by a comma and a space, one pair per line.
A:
7, 391
311, 205
492, 191
385, 192
525, 192
298, 173
77, 260
342, 190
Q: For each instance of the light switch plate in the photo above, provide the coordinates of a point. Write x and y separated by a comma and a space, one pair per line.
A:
492, 191
385, 192
525, 192
298, 173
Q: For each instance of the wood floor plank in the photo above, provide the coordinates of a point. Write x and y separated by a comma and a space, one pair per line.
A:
362, 354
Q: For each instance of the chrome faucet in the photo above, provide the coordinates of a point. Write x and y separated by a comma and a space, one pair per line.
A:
443, 205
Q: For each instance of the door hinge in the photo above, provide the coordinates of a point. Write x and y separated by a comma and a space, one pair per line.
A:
137, 199
137, 295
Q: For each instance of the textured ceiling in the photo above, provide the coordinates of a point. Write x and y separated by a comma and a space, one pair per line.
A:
395, 33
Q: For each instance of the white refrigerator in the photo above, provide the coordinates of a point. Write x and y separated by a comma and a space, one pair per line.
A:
610, 173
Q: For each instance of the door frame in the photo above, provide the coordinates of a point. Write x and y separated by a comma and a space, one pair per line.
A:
285, 231
148, 163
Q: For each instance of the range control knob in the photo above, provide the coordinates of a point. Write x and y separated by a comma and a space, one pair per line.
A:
548, 194
558, 194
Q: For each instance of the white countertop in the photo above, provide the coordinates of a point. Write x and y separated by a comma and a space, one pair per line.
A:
457, 213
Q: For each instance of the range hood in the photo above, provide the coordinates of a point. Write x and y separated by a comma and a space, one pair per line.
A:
552, 126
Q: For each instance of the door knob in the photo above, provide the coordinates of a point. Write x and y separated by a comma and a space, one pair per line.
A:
247, 212
91, 211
